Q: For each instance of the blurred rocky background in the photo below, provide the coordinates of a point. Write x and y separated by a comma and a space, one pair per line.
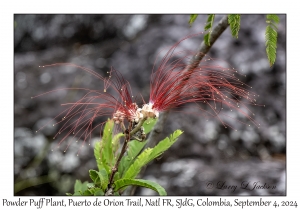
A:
206, 158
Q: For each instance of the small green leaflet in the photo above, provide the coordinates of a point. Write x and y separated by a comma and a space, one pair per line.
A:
271, 37
193, 17
85, 189
208, 27
134, 149
151, 153
234, 22
148, 124
104, 149
107, 143
94, 176
121, 183
79, 187
99, 178
104, 178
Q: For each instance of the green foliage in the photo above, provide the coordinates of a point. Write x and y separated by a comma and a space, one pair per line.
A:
122, 183
151, 153
100, 178
103, 176
104, 150
97, 154
98, 192
94, 176
134, 148
193, 17
107, 149
208, 27
148, 124
79, 188
116, 143
136, 167
107, 152
271, 37
234, 22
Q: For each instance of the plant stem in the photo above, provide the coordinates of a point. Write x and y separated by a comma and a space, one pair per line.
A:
128, 134
137, 128
115, 168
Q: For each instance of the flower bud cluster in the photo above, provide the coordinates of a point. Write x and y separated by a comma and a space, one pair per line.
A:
118, 117
135, 114
148, 111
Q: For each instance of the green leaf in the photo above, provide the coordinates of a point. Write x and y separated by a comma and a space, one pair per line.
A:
117, 176
78, 193
97, 154
90, 185
87, 192
209, 22
234, 22
94, 176
151, 153
98, 192
134, 148
100, 159
116, 144
208, 27
193, 17
99, 178
165, 144
139, 182
69, 194
107, 142
104, 178
77, 185
271, 37
104, 151
149, 124
93, 191
136, 167
207, 39
273, 18
80, 187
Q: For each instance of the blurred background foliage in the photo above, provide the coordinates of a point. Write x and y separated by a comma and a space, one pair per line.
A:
206, 152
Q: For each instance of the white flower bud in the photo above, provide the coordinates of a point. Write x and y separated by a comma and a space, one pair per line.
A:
147, 111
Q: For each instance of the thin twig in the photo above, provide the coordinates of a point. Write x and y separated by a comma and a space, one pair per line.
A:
127, 139
138, 126
115, 168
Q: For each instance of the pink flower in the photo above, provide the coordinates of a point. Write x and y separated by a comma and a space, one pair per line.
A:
115, 101
172, 85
